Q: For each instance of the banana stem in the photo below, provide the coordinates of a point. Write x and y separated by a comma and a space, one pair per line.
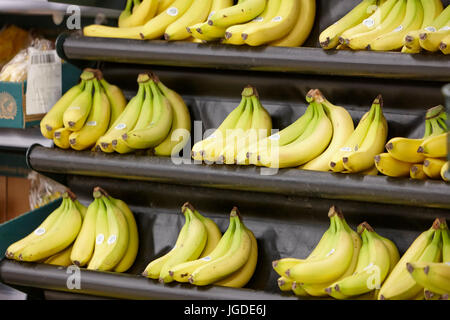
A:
249, 91
435, 112
128, 6
428, 129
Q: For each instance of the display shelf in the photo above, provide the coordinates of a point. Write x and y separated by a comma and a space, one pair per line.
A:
380, 189
307, 60
122, 286
22, 139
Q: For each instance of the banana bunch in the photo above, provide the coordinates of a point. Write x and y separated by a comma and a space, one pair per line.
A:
53, 236
391, 25
155, 118
83, 113
423, 158
108, 239
203, 256
285, 23
247, 124
344, 263
423, 268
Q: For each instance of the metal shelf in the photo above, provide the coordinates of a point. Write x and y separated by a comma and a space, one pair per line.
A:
290, 182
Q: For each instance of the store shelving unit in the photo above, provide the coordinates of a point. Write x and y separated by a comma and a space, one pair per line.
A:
286, 211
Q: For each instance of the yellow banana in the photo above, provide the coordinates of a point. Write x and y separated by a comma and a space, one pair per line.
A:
444, 46
116, 99
140, 14
372, 145
389, 166
84, 245
163, 5
285, 284
240, 13
233, 34
342, 129
61, 138
302, 28
434, 276
180, 131
276, 28
78, 111
431, 41
432, 167
61, 258
153, 29
101, 233
329, 38
197, 13
53, 119
96, 123
435, 146
416, 172
445, 172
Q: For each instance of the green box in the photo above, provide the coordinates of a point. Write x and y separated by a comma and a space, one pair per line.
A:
21, 226
13, 97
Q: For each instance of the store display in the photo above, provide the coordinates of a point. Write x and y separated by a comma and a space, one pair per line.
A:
399, 285
256, 22
392, 25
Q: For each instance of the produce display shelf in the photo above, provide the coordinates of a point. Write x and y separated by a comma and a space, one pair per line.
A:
379, 189
22, 139
307, 60
121, 286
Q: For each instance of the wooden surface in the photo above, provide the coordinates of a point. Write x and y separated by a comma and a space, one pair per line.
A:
13, 197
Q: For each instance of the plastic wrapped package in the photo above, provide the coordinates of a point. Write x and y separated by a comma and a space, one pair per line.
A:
12, 40
43, 190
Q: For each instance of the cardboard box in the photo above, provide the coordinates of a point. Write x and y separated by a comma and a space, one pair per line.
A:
13, 112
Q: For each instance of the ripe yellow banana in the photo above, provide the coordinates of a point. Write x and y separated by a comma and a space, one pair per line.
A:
197, 13
354, 142
180, 131
435, 146
431, 10
153, 29
308, 146
133, 241
432, 167
362, 40
302, 28
375, 19
101, 233
153, 269
242, 276
213, 234
399, 284
116, 99
200, 148
235, 257
373, 143
53, 120
58, 237
276, 28
158, 129
124, 123
342, 129
139, 15
61, 258
394, 40
117, 238
12, 252
372, 274
335, 262
78, 111
233, 34
96, 124
434, 276
61, 138
240, 13
416, 172
182, 271
389, 166
329, 38
84, 245
191, 248
285, 284
163, 5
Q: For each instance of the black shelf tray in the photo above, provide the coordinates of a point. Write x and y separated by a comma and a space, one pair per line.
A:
290, 182
306, 60
22, 139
